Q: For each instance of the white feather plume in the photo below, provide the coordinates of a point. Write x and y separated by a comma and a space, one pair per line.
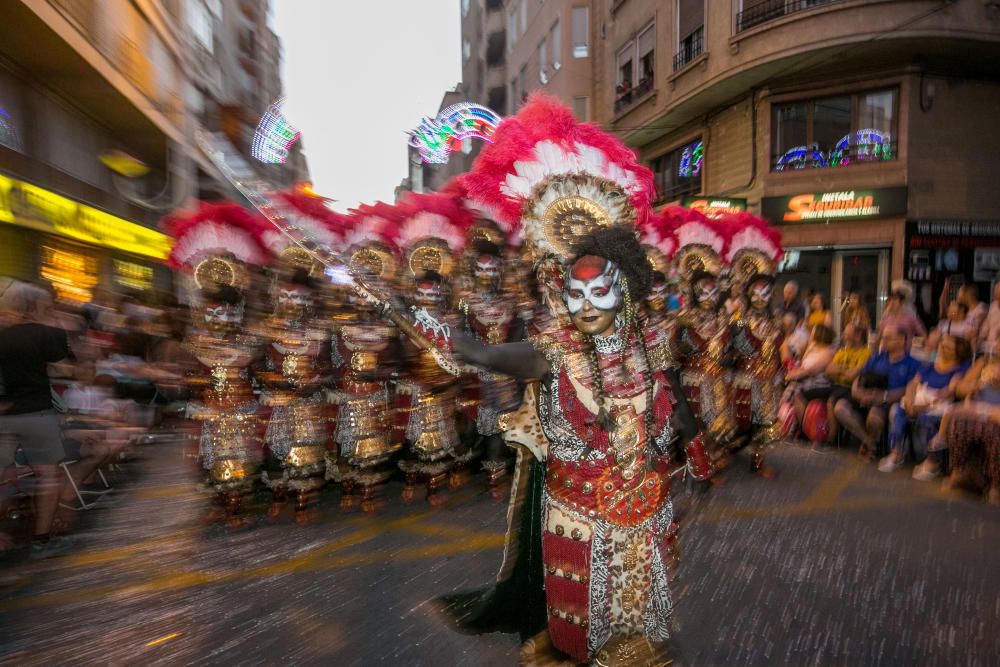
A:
750, 237
698, 233
552, 159
211, 238
431, 225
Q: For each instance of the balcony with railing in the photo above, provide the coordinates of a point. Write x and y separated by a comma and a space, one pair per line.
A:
768, 10
626, 97
691, 47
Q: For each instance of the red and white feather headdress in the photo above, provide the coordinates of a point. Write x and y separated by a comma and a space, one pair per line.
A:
369, 237
216, 229
700, 243
753, 247
432, 231
313, 217
557, 179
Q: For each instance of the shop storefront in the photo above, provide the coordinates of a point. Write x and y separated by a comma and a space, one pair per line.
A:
840, 242
711, 205
952, 252
76, 247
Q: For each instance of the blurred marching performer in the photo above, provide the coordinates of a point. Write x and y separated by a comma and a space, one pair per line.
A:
215, 245
365, 355
753, 253
490, 310
660, 243
431, 233
700, 336
291, 374
603, 415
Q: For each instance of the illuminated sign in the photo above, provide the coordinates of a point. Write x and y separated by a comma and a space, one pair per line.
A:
842, 205
72, 275
132, 275
712, 206
31, 206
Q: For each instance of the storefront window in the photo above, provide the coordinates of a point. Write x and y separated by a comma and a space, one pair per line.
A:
834, 131
73, 275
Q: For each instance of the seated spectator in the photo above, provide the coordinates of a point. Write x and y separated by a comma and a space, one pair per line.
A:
989, 332
954, 324
791, 303
972, 428
809, 378
844, 369
819, 314
796, 338
899, 314
928, 396
881, 382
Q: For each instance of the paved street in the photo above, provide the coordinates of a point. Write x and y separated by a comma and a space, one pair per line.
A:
831, 564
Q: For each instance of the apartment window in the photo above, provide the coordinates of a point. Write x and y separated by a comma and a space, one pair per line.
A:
646, 51
543, 75
581, 32
511, 29
555, 41
834, 131
624, 76
524, 16
678, 173
465, 8
690, 31
466, 49
200, 21
580, 110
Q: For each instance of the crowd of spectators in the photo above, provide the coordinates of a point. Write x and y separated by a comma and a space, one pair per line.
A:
900, 394
77, 389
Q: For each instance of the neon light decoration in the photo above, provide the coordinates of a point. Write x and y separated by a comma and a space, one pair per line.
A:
869, 145
8, 133
436, 138
691, 159
274, 136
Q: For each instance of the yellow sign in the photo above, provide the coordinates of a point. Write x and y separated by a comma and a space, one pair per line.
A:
31, 206
72, 275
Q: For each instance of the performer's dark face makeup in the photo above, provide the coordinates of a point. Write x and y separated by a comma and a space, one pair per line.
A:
593, 295
486, 272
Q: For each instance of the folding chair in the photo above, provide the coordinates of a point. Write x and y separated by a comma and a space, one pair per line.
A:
83, 494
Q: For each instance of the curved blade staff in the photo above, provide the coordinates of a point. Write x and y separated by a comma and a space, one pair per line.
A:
609, 412
365, 355
700, 335
431, 234
753, 253
215, 247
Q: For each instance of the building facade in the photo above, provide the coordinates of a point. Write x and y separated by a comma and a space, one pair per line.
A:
864, 129
84, 81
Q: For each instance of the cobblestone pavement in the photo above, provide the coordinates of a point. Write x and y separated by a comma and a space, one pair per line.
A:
832, 563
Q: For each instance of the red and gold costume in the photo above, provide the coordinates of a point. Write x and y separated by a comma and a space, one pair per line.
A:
213, 247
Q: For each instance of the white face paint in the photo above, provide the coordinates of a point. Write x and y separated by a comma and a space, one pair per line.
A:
293, 297
603, 290
225, 315
760, 293
707, 291
429, 295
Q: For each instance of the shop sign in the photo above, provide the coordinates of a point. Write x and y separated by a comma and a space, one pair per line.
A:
712, 206
841, 205
942, 247
31, 206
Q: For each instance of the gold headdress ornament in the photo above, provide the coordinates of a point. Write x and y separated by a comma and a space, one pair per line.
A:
699, 247
432, 232
368, 238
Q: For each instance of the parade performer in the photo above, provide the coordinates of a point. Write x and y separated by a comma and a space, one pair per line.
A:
609, 412
700, 336
365, 355
214, 246
291, 375
491, 316
659, 240
432, 231
753, 252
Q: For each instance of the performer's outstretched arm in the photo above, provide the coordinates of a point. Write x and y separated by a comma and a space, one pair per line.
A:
519, 360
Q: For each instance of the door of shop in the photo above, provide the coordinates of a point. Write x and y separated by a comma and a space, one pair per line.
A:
865, 271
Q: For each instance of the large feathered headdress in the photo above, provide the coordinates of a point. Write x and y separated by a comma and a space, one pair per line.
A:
659, 238
700, 244
432, 232
753, 248
369, 237
558, 180
215, 241
312, 216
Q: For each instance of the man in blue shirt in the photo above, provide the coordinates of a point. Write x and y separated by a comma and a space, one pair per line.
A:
865, 413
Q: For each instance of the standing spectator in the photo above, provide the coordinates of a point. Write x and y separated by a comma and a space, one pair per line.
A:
27, 415
969, 295
856, 313
819, 314
792, 303
955, 323
899, 314
925, 402
845, 368
989, 332
881, 383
